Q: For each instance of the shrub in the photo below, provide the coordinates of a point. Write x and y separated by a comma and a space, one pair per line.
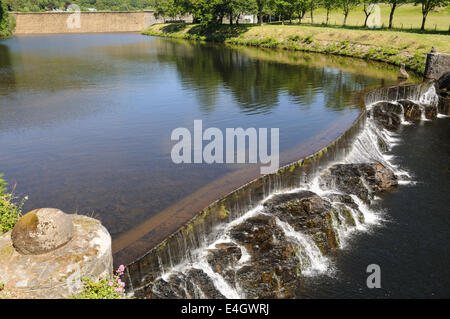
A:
308, 39
294, 38
7, 22
10, 212
112, 288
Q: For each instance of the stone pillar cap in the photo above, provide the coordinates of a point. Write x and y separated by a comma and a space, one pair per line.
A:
41, 231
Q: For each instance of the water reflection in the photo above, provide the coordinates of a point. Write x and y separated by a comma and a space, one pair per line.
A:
85, 120
256, 84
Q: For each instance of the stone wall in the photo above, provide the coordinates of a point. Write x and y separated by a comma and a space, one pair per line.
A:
85, 22
437, 65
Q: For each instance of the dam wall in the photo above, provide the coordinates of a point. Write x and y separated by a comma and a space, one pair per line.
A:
85, 22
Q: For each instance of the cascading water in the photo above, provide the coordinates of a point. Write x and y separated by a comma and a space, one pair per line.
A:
242, 249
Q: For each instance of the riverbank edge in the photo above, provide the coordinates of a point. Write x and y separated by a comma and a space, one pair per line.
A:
224, 210
413, 62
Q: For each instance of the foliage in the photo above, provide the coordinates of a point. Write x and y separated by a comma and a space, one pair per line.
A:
10, 212
48, 5
427, 6
112, 288
7, 22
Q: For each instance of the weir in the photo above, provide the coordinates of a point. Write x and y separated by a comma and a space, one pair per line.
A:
186, 251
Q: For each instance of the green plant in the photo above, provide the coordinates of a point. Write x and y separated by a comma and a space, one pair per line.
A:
112, 288
308, 39
7, 21
10, 212
2, 286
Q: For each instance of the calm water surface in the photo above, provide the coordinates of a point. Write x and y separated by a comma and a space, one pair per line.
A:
86, 120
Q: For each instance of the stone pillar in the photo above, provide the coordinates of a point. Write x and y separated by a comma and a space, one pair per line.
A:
48, 253
437, 64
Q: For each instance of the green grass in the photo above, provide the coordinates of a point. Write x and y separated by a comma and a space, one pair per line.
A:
394, 47
405, 17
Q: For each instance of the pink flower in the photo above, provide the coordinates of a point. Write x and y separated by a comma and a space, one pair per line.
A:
118, 289
122, 284
110, 284
121, 269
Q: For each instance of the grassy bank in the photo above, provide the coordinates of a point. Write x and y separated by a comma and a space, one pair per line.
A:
394, 47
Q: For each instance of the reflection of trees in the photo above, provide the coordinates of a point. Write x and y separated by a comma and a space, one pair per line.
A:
7, 79
256, 84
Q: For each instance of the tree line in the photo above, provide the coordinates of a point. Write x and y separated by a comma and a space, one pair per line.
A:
210, 12
217, 11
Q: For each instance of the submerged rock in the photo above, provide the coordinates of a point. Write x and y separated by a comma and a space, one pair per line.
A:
387, 115
363, 180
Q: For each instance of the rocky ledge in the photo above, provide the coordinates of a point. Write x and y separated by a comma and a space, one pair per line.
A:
49, 252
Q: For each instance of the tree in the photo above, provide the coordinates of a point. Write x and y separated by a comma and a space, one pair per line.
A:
328, 5
394, 5
301, 6
168, 8
6, 22
427, 6
312, 6
260, 5
368, 8
347, 6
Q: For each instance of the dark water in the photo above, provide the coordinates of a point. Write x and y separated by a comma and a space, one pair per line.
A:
85, 120
412, 245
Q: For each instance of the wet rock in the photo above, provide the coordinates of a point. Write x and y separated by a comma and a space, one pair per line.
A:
363, 180
309, 214
224, 256
224, 259
41, 231
274, 267
198, 280
194, 284
387, 115
413, 111
344, 203
430, 112
173, 288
